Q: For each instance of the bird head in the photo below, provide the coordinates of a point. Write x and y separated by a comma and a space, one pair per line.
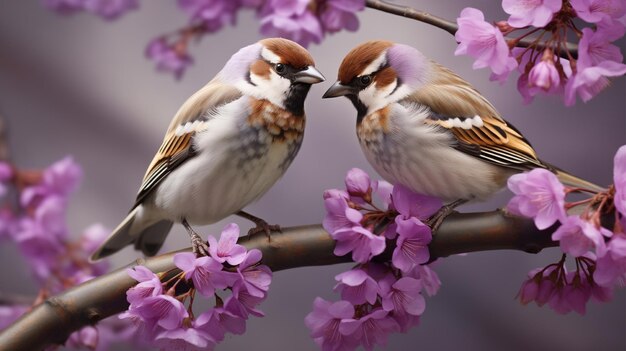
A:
274, 69
378, 73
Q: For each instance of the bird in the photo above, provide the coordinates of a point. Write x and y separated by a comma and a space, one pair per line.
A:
422, 126
224, 148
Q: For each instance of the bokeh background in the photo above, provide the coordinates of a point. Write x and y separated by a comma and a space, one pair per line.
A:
78, 85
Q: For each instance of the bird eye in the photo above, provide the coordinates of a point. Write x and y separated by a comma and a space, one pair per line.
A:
365, 80
280, 68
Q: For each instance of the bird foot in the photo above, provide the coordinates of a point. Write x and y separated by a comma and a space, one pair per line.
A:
435, 221
199, 246
263, 226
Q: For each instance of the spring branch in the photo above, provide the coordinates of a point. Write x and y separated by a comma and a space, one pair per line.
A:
445, 24
55, 319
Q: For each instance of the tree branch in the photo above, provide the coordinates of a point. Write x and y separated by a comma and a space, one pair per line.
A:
447, 25
52, 321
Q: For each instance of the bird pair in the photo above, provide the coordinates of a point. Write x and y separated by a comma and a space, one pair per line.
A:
418, 123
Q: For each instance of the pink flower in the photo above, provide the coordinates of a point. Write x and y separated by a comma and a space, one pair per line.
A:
412, 244
357, 287
538, 194
576, 236
402, 296
428, 278
595, 46
86, 337
619, 179
338, 214
411, 204
371, 329
340, 14
167, 57
242, 304
361, 242
6, 173
254, 277
611, 264
358, 182
149, 285
162, 311
530, 288
193, 337
595, 11
590, 81
227, 249
324, 322
536, 13
214, 14
205, 272
483, 41
303, 28
544, 75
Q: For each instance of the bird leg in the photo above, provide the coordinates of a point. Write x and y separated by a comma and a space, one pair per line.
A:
198, 246
261, 225
434, 222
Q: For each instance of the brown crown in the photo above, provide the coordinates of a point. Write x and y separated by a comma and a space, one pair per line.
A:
360, 57
289, 52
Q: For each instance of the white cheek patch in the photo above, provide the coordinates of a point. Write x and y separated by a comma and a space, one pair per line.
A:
375, 98
274, 88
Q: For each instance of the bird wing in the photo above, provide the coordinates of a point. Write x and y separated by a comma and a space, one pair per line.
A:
190, 119
475, 124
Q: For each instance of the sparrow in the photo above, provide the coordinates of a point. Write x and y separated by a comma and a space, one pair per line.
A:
421, 125
225, 147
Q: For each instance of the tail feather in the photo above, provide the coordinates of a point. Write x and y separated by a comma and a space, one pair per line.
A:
151, 239
118, 239
574, 181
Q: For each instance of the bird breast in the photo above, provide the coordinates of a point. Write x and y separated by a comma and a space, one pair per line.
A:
405, 150
247, 146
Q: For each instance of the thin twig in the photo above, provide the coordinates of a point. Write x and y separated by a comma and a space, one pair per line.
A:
448, 26
55, 319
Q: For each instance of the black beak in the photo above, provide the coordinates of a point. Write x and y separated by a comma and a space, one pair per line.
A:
339, 89
309, 75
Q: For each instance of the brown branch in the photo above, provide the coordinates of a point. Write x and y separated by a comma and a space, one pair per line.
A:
448, 26
52, 321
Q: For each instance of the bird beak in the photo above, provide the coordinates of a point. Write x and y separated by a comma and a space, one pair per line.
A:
339, 89
310, 75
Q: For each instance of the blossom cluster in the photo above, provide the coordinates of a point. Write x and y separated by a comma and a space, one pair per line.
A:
377, 298
33, 217
304, 21
547, 66
600, 253
157, 302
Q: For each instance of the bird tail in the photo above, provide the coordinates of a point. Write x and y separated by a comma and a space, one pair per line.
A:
574, 181
149, 239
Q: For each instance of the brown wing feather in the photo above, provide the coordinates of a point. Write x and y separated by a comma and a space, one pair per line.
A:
449, 96
177, 146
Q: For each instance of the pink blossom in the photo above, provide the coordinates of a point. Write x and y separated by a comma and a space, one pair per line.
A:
255, 278
361, 242
538, 194
149, 285
412, 244
403, 296
303, 28
371, 329
595, 46
205, 272
530, 288
167, 57
162, 311
340, 14
358, 182
338, 214
227, 249
411, 204
357, 287
544, 75
595, 11
324, 322
242, 304
428, 278
482, 41
193, 337
6, 173
611, 264
214, 14
590, 81
576, 236
536, 13
619, 179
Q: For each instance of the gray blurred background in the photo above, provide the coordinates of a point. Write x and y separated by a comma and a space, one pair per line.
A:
81, 86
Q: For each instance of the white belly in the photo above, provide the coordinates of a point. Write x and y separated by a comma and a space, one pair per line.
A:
232, 169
